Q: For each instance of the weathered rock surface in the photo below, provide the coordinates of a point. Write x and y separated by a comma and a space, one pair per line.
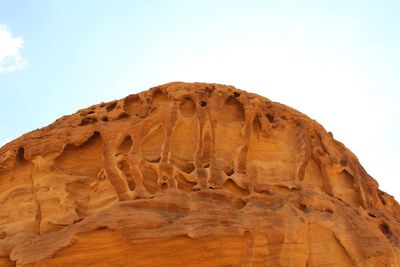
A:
191, 175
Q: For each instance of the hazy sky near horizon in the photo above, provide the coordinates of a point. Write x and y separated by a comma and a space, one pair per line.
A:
336, 61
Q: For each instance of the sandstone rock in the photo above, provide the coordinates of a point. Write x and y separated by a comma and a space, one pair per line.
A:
191, 175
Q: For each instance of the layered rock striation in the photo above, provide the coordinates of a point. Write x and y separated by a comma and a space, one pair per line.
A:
191, 175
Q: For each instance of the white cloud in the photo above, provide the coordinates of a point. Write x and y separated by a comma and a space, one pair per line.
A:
10, 55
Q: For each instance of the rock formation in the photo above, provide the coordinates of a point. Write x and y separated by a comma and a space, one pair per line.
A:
191, 175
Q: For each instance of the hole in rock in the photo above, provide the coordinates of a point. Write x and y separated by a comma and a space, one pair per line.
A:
186, 167
152, 144
385, 229
329, 210
153, 160
87, 121
91, 140
203, 103
372, 215
111, 106
187, 107
159, 97
84, 113
164, 186
150, 178
131, 103
270, 118
82, 159
343, 187
230, 172
124, 167
104, 118
233, 110
236, 94
125, 145
131, 184
209, 90
122, 116
302, 206
20, 157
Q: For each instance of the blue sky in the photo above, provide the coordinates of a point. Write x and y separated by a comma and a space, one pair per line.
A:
336, 61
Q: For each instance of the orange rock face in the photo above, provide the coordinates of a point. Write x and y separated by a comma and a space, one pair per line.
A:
191, 175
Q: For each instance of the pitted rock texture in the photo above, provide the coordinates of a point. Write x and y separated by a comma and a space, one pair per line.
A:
191, 175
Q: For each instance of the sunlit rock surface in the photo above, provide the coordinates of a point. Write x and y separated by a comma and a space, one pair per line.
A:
191, 175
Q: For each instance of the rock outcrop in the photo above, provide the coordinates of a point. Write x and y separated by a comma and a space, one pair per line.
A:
191, 175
